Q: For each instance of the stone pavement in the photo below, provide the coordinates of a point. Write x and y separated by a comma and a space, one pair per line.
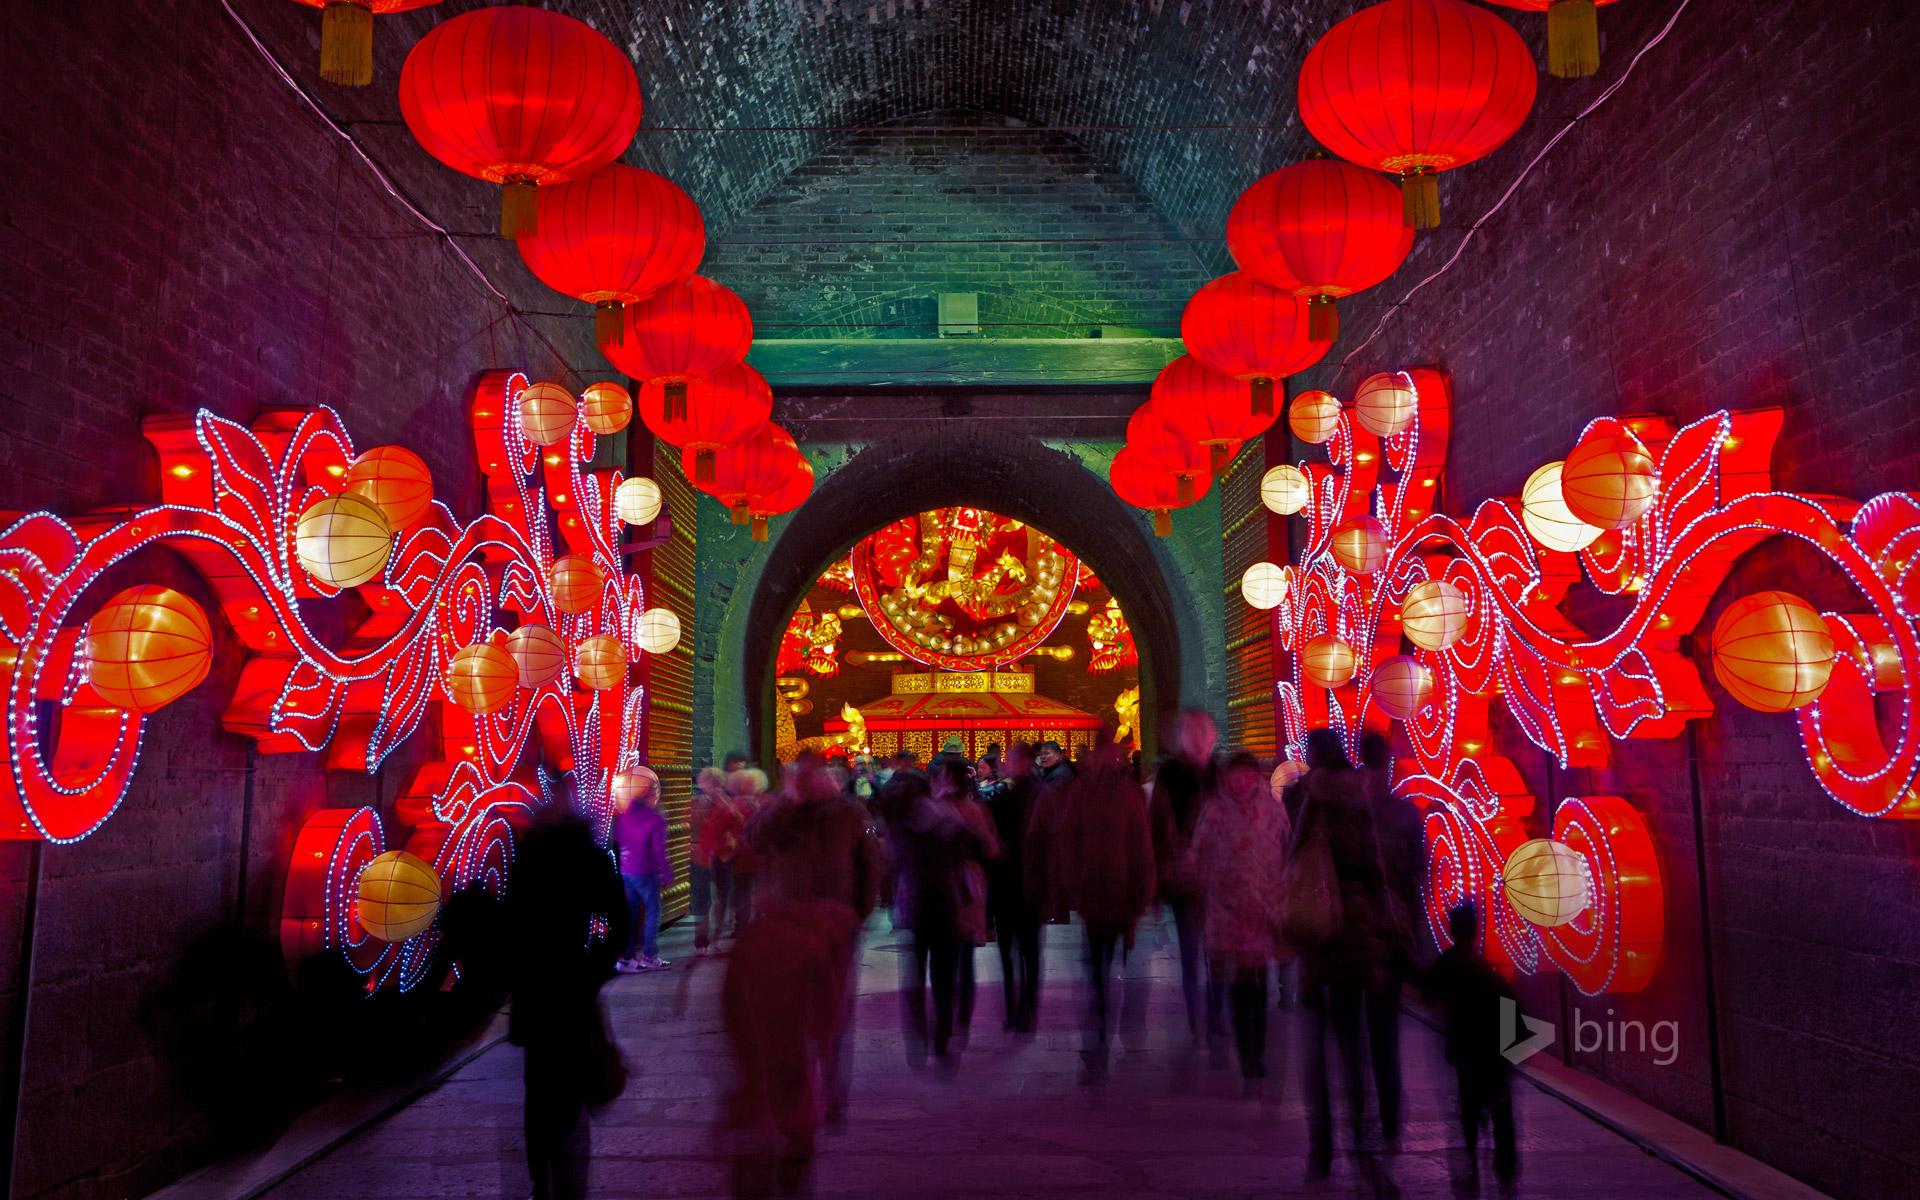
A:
1012, 1120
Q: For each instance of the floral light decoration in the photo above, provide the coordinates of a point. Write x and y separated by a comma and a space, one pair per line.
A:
232, 500
1478, 603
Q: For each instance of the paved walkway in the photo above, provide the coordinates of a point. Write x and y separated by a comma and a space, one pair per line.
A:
1011, 1121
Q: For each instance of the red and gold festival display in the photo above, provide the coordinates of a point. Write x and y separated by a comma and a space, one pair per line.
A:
456, 622
1459, 614
963, 588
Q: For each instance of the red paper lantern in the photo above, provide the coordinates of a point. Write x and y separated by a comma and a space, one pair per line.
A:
1402, 685
1573, 34
615, 237
600, 663
548, 413
792, 493
717, 411
1320, 229
1240, 327
481, 678
1151, 488
1327, 662
147, 647
346, 36
395, 481
538, 654
684, 331
1416, 87
1205, 408
756, 465
1608, 481
522, 97
1314, 417
1163, 448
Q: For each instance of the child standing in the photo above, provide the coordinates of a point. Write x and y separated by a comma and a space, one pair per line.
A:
1470, 993
640, 832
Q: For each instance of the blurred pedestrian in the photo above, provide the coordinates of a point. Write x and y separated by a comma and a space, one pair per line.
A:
640, 840
1399, 836
746, 792
1470, 993
1240, 853
932, 844
1016, 915
953, 783
708, 882
1182, 787
1051, 768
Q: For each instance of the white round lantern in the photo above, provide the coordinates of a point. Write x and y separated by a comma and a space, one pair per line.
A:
1434, 614
1264, 585
659, 631
1544, 511
1546, 882
1385, 403
637, 500
1285, 489
1402, 685
1360, 545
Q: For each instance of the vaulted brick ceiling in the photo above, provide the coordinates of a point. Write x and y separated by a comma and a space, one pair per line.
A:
740, 92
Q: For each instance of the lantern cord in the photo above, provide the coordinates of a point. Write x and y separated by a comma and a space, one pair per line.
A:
1347, 360
393, 189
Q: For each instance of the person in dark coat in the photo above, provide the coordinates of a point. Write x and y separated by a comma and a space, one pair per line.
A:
567, 922
1400, 838
932, 845
1470, 993
1016, 917
1182, 787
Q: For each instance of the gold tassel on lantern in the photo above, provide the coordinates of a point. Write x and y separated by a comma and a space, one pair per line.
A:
1573, 39
517, 207
608, 328
1262, 392
759, 529
346, 43
1184, 489
1420, 192
703, 466
741, 513
676, 401
1218, 458
1323, 319
1162, 522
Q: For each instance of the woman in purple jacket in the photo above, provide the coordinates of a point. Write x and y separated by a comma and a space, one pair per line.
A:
640, 834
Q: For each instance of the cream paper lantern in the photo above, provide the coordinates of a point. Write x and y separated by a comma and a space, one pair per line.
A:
1285, 489
1284, 773
634, 783
539, 655
1314, 417
1327, 661
659, 631
1402, 685
1546, 882
600, 663
396, 896
1360, 545
637, 500
1434, 614
343, 541
1264, 585
548, 413
1544, 511
1385, 404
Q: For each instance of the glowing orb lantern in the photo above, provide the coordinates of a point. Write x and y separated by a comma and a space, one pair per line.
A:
659, 631
1285, 772
395, 480
606, 407
522, 97
1772, 651
1434, 614
539, 654
1544, 511
1285, 489
1546, 882
547, 413
1314, 417
1416, 87
1360, 545
397, 896
1608, 481
481, 677
577, 583
1573, 34
343, 541
147, 647
1264, 585
1327, 661
1248, 331
634, 783
637, 501
1402, 685
346, 36
1385, 403
600, 663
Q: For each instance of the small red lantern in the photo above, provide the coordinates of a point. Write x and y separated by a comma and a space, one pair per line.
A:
1327, 662
791, 495
1242, 328
1151, 488
685, 331
538, 654
718, 410
1163, 448
548, 413
1402, 686
1320, 229
756, 465
1773, 651
522, 97
1416, 87
346, 36
1360, 544
600, 663
1573, 34
1206, 409
615, 237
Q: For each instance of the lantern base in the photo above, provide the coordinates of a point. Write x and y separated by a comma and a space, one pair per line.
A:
1218, 457
703, 466
759, 532
608, 327
1261, 393
1573, 39
1162, 522
675, 406
517, 198
346, 44
740, 514
1323, 319
1420, 193
1184, 489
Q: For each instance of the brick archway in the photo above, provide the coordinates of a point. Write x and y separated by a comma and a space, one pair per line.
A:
1016, 475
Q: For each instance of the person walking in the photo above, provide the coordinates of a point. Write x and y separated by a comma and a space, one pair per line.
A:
1470, 993
640, 837
1016, 915
746, 792
932, 842
1400, 838
1240, 857
708, 882
1182, 787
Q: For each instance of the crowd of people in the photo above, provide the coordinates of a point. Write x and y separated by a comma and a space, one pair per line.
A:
1314, 893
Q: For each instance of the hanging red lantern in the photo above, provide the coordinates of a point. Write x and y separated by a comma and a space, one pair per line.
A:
1150, 488
792, 493
756, 465
522, 97
1320, 229
715, 411
346, 36
615, 237
1162, 447
687, 330
1416, 87
1573, 34
1206, 409
1242, 328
